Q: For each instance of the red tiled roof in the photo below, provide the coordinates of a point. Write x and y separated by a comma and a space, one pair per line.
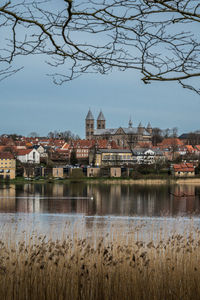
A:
6, 155
185, 167
65, 146
87, 144
198, 147
2, 148
20, 143
21, 152
170, 142
62, 151
190, 148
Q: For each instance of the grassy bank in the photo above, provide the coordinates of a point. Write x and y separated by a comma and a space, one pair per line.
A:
145, 180
116, 266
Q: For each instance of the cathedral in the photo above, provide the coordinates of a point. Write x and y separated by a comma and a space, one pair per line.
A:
123, 136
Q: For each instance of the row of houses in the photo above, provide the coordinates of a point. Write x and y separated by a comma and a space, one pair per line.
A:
96, 153
107, 162
121, 157
58, 150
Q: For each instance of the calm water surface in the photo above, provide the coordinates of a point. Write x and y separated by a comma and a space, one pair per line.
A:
97, 206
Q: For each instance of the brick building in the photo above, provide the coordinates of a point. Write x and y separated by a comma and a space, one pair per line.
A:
123, 136
7, 165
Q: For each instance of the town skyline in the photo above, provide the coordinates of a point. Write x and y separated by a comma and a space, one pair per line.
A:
31, 102
95, 115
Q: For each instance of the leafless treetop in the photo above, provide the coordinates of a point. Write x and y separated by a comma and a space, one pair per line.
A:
157, 37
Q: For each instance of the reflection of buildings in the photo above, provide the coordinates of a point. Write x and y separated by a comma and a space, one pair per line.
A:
7, 198
185, 200
58, 190
141, 200
108, 199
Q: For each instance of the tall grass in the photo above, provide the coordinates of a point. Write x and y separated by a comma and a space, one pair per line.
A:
115, 266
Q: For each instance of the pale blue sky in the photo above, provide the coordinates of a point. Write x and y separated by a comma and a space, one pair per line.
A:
31, 102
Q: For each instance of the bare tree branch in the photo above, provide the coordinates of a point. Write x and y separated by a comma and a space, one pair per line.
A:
159, 38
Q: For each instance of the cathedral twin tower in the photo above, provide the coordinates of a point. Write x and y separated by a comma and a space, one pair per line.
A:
89, 124
121, 135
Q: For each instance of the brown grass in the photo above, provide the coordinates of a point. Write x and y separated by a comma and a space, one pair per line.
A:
115, 266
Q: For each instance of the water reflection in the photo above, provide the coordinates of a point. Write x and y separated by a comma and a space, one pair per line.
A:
108, 199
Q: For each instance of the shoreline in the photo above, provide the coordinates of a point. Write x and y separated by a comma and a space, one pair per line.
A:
141, 181
181, 181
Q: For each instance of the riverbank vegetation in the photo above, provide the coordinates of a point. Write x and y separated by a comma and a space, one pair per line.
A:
146, 180
113, 266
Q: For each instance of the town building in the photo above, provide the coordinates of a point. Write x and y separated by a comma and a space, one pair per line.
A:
111, 157
7, 165
125, 137
28, 156
183, 170
148, 156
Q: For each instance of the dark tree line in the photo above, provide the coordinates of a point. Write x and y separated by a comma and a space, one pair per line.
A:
66, 135
159, 134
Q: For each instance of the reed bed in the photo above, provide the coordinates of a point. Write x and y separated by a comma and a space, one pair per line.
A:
114, 266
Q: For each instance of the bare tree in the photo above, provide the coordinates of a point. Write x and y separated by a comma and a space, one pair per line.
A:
174, 132
33, 134
157, 136
66, 135
193, 138
157, 37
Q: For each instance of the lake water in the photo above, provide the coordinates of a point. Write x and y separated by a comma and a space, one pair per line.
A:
96, 207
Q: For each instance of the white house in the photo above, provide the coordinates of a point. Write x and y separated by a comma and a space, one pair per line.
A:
147, 156
41, 150
31, 156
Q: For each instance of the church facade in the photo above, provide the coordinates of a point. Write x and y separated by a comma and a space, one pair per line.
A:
123, 136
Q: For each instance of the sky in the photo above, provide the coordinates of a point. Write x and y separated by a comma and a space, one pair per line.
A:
30, 101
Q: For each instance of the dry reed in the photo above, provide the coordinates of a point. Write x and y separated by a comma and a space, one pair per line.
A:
115, 266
